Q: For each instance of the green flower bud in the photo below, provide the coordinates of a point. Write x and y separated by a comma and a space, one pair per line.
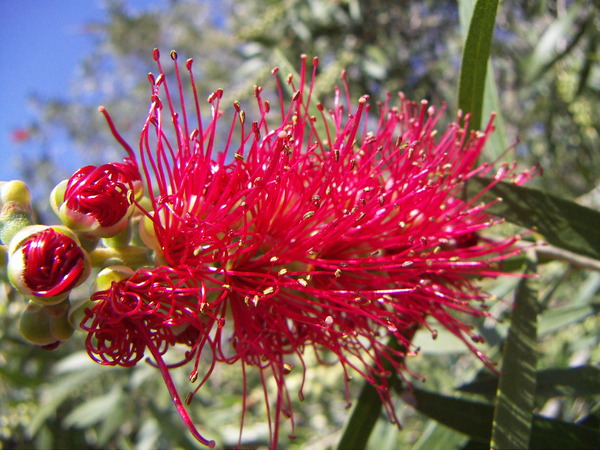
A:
16, 212
114, 274
45, 326
15, 191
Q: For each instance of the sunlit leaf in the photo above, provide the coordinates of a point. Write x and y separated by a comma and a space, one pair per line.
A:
497, 143
513, 414
475, 57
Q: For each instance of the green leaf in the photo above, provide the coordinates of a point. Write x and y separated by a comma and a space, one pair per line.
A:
475, 60
365, 414
563, 223
516, 388
466, 416
439, 437
366, 411
95, 410
571, 382
497, 143
557, 318
58, 392
475, 420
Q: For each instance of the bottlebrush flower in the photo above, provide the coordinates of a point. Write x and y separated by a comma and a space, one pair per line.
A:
303, 228
46, 263
97, 201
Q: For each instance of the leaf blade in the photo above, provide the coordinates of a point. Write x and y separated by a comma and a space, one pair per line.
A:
515, 396
563, 223
471, 86
475, 420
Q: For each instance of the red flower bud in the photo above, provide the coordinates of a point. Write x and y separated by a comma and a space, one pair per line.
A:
46, 263
97, 200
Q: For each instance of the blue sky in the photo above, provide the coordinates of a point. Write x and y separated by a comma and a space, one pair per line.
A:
41, 43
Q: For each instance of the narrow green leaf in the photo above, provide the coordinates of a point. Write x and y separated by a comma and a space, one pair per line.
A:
466, 416
571, 382
548, 433
365, 414
516, 388
475, 60
498, 142
563, 223
557, 318
475, 420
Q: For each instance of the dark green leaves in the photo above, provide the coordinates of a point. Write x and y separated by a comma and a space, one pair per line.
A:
572, 381
475, 418
563, 223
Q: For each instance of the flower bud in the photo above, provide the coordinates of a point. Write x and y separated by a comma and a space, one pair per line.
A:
111, 274
97, 201
46, 263
16, 211
45, 325
15, 191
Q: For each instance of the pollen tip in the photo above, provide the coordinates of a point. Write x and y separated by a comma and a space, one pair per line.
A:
173, 55
156, 54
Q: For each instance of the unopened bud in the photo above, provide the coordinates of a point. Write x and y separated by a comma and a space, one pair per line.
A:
15, 191
97, 201
16, 212
113, 274
45, 326
46, 263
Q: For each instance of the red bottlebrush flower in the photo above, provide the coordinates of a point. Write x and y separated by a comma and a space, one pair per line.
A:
46, 263
331, 230
97, 200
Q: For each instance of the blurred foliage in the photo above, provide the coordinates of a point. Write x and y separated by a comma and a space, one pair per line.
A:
545, 62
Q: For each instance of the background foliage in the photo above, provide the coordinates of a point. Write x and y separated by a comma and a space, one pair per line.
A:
544, 83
